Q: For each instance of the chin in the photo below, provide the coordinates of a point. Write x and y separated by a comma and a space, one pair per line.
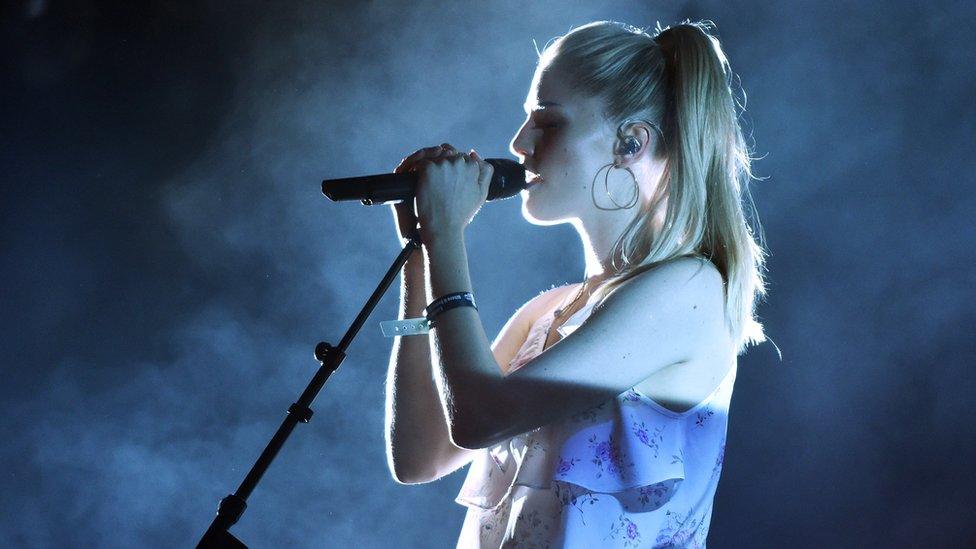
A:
535, 215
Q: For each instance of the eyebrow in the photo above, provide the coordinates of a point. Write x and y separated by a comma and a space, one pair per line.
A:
542, 104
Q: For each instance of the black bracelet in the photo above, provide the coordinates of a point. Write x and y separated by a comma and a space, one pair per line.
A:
449, 301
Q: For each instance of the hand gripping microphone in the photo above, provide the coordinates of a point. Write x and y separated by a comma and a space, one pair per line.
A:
506, 181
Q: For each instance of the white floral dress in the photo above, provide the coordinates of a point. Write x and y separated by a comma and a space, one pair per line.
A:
626, 473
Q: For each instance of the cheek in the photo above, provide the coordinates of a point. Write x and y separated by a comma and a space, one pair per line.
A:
571, 161
560, 152
570, 157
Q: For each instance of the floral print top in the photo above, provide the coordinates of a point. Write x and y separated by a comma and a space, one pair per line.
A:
626, 473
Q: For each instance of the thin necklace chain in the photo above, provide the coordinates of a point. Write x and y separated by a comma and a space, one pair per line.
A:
559, 312
579, 294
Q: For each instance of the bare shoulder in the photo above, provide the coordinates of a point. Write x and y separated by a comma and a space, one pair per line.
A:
702, 274
692, 288
685, 277
706, 286
689, 291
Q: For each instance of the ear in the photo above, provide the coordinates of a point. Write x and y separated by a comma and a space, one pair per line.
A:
635, 138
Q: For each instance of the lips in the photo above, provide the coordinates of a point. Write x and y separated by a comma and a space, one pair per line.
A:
532, 178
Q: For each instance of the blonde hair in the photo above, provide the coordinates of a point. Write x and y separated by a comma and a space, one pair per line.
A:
680, 79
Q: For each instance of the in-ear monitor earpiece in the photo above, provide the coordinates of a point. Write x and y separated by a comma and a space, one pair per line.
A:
631, 146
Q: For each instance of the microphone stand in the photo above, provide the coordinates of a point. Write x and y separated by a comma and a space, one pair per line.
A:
232, 507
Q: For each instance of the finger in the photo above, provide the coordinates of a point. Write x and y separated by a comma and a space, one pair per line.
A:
435, 152
458, 158
427, 151
422, 153
409, 162
446, 153
450, 156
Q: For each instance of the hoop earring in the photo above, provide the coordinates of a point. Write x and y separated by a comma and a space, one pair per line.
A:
606, 186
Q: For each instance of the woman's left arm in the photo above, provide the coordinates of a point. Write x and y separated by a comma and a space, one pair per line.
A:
664, 317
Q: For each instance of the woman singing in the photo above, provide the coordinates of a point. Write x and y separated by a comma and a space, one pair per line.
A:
597, 417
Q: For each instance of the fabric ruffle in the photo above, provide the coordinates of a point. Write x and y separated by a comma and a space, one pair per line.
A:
634, 447
616, 446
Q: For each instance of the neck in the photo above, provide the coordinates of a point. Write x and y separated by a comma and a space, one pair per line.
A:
598, 240
599, 237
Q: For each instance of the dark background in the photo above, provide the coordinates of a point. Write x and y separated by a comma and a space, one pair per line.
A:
168, 261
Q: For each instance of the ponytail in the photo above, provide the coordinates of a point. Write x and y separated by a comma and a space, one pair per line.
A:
687, 87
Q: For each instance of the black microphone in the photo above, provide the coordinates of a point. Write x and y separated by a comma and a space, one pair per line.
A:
506, 181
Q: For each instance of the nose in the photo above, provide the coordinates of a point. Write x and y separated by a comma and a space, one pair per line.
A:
520, 145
